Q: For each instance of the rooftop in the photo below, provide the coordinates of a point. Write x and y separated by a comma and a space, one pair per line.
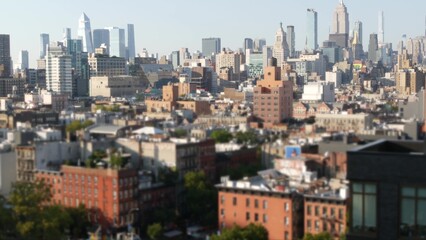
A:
394, 147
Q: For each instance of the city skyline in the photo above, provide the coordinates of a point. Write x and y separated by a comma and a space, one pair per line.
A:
155, 30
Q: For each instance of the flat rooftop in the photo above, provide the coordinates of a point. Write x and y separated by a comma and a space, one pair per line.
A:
393, 146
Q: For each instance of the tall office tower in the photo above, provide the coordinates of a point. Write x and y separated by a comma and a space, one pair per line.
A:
259, 43
5, 60
175, 59
381, 33
67, 34
80, 66
85, 33
357, 49
267, 52
23, 60
357, 31
117, 43
101, 36
248, 44
280, 47
373, 47
58, 69
311, 30
44, 42
210, 46
131, 41
340, 20
183, 54
291, 40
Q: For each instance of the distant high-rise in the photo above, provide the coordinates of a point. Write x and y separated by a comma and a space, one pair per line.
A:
183, 54
85, 33
373, 47
381, 32
210, 46
357, 31
259, 43
5, 60
23, 60
117, 43
101, 36
291, 41
280, 47
67, 34
44, 42
248, 44
311, 30
340, 20
131, 41
58, 69
175, 59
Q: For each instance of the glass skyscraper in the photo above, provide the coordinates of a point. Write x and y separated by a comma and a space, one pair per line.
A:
44, 42
101, 36
311, 30
131, 41
291, 41
5, 55
210, 46
85, 33
117, 40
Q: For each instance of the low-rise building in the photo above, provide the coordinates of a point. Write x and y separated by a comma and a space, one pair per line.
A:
115, 86
344, 122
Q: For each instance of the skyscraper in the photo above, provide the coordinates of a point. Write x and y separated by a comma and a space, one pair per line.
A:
291, 40
381, 32
311, 30
85, 33
23, 61
67, 34
280, 47
340, 20
44, 42
117, 43
175, 59
58, 69
259, 43
101, 36
357, 31
131, 41
373, 47
248, 44
210, 46
5, 60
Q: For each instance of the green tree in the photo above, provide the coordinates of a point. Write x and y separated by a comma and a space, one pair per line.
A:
319, 236
251, 232
117, 161
79, 222
7, 223
180, 133
34, 218
248, 137
221, 136
201, 198
78, 125
154, 231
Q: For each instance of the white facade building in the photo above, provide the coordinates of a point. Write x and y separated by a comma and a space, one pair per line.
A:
334, 77
318, 92
58, 69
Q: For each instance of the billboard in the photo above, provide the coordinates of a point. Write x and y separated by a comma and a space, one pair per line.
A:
292, 151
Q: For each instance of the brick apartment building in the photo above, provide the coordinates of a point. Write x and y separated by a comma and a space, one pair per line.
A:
109, 194
257, 200
273, 97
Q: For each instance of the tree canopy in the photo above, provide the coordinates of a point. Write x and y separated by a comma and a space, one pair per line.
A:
251, 232
154, 231
221, 136
77, 125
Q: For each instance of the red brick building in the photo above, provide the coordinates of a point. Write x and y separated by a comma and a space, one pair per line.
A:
325, 213
109, 194
251, 201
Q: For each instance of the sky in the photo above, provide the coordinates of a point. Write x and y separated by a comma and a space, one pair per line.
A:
163, 26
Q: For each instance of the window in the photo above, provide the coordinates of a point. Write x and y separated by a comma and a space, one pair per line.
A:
317, 225
265, 204
248, 216
222, 199
286, 236
265, 218
256, 203
222, 212
364, 207
332, 212
247, 202
309, 210
309, 225
316, 210
286, 207
286, 221
340, 213
413, 212
234, 201
256, 217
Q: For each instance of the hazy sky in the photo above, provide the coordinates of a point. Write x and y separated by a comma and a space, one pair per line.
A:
166, 25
